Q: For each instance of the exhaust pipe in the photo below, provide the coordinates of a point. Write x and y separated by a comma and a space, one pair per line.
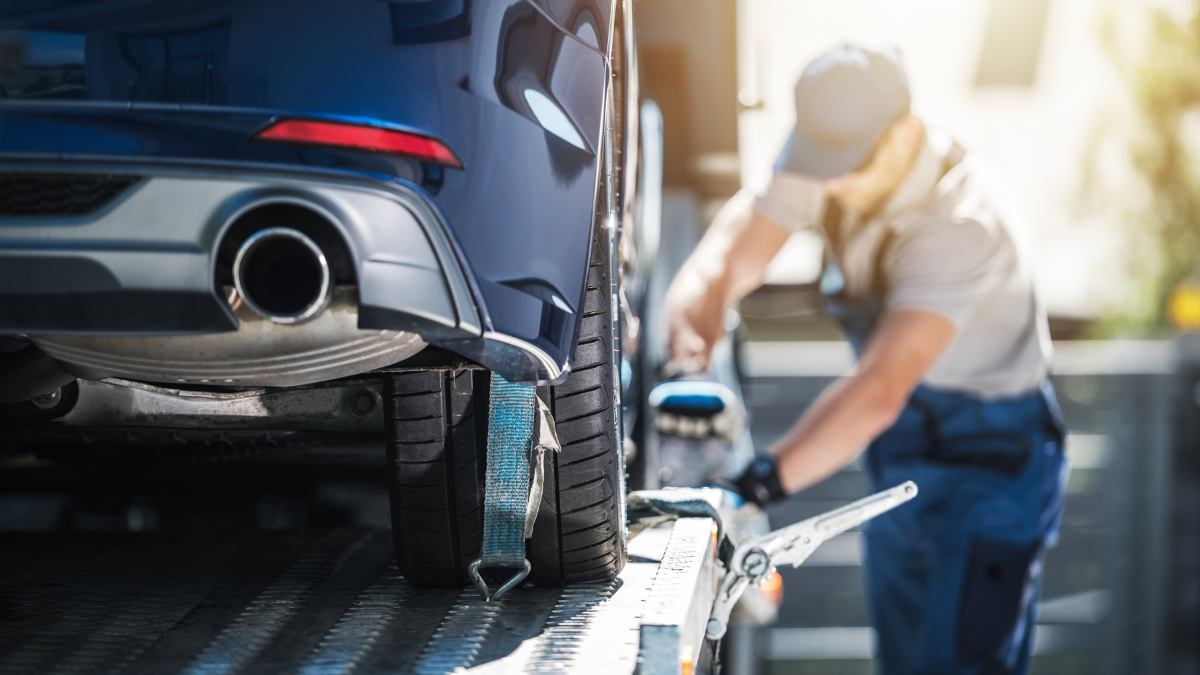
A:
283, 275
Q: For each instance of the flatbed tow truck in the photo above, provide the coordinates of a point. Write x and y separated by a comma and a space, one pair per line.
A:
331, 601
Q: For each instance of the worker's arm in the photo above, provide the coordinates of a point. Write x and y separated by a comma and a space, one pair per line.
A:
727, 265
851, 412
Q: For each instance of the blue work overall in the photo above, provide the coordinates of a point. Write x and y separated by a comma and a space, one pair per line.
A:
953, 576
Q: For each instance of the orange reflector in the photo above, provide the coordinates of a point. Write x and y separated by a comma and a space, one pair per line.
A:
772, 589
686, 665
359, 137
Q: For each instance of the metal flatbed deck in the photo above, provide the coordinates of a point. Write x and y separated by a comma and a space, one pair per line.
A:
331, 601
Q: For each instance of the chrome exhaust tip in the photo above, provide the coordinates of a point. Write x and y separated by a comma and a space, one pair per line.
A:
283, 275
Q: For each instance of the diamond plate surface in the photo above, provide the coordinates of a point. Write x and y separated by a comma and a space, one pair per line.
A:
327, 602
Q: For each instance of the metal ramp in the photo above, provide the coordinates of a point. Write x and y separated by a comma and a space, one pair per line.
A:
331, 602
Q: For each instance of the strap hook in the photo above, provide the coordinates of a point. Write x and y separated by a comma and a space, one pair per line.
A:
473, 570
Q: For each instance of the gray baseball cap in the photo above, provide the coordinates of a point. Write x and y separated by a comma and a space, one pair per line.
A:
845, 100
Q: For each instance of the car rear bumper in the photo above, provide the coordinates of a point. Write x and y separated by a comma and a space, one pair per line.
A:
143, 262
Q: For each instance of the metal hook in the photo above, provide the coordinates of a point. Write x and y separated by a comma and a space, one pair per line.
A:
473, 570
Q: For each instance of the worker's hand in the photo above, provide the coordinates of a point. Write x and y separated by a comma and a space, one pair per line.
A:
727, 264
759, 484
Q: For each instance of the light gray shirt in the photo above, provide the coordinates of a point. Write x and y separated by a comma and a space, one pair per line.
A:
954, 251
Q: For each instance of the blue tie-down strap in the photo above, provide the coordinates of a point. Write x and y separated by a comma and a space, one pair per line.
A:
520, 431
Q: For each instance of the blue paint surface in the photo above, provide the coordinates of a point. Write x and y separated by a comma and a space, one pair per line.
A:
197, 77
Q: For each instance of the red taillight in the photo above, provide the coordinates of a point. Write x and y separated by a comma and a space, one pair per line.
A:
359, 137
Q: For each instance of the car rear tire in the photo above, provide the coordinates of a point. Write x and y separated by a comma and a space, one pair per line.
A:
579, 533
437, 449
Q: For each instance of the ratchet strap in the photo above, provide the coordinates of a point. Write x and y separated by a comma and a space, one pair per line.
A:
520, 430
647, 508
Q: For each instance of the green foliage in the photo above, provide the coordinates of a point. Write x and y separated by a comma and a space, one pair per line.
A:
1162, 74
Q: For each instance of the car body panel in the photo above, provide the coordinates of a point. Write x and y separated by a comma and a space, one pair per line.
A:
182, 85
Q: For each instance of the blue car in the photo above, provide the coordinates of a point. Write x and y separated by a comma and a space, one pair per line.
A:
262, 223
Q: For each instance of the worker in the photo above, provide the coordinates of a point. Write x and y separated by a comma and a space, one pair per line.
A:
926, 275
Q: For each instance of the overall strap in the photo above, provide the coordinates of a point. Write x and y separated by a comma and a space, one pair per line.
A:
831, 227
880, 285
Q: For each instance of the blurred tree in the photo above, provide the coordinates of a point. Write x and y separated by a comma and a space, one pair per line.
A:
1161, 69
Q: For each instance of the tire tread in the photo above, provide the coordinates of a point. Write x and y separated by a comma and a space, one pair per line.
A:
436, 489
583, 527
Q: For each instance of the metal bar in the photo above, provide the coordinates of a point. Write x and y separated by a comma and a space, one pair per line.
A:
679, 602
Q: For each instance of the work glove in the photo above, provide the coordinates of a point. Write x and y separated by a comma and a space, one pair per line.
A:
759, 483
695, 406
